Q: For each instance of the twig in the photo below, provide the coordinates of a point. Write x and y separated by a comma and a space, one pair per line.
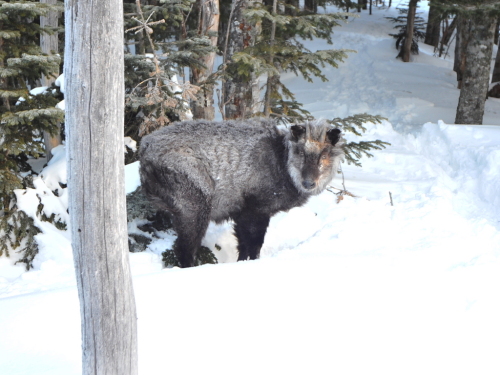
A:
341, 192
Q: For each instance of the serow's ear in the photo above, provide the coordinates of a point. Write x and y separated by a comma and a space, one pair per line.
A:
297, 131
333, 135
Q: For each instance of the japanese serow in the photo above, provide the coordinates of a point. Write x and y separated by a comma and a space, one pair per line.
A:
246, 171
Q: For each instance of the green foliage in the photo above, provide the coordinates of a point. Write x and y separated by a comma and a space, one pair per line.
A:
23, 117
19, 229
354, 124
286, 52
160, 46
400, 36
203, 256
18, 232
468, 8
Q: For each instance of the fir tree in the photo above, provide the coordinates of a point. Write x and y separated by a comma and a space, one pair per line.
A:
280, 47
400, 35
475, 36
355, 124
23, 116
160, 47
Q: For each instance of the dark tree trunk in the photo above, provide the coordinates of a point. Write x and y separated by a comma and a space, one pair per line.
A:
271, 80
49, 45
412, 9
476, 75
462, 39
240, 93
311, 6
448, 30
289, 11
94, 77
432, 33
497, 31
496, 69
203, 105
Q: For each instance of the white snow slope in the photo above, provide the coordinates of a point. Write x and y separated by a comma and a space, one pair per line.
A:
355, 287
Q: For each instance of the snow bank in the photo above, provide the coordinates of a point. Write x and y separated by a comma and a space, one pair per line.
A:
470, 155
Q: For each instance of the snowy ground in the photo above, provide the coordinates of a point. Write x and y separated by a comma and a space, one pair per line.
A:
358, 287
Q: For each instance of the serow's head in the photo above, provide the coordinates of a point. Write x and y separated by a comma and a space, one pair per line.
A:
314, 154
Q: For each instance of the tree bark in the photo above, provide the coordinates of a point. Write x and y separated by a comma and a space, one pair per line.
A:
432, 32
448, 30
476, 74
461, 41
271, 80
49, 45
203, 105
311, 6
241, 94
412, 9
94, 77
496, 69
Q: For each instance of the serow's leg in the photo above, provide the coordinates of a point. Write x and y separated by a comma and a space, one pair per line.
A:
250, 229
190, 222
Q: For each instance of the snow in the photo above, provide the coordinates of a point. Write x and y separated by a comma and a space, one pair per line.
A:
355, 287
133, 180
60, 82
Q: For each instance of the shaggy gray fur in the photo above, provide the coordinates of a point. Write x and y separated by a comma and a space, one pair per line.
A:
246, 171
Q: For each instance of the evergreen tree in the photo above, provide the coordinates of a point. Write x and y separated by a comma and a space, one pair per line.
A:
432, 32
476, 28
23, 116
278, 48
160, 46
203, 105
402, 22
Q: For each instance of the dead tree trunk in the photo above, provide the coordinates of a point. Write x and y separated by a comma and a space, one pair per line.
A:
203, 105
241, 92
476, 75
406, 52
49, 45
432, 32
94, 77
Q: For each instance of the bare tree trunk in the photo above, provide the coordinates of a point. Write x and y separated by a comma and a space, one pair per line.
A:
203, 105
271, 80
311, 6
460, 46
448, 30
497, 31
241, 94
496, 69
432, 33
49, 45
476, 75
94, 77
406, 52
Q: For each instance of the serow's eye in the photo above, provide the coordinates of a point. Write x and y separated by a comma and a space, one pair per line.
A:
324, 157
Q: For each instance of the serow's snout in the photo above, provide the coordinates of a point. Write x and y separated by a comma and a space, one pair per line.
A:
308, 184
